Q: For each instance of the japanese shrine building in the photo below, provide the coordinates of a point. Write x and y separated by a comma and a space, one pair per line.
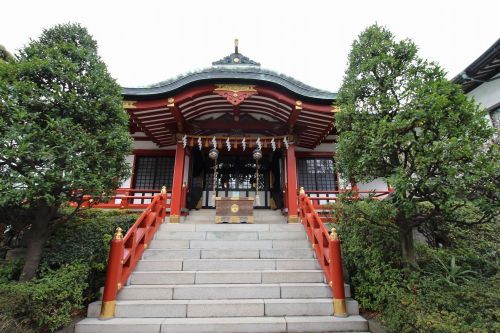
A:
236, 107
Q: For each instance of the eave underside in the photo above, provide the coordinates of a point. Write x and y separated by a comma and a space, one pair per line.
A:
205, 110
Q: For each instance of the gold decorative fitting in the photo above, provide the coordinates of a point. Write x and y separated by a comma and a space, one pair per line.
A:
235, 88
108, 310
119, 286
333, 234
184, 184
339, 308
298, 105
118, 233
335, 108
170, 102
302, 191
145, 246
163, 190
129, 104
330, 284
235, 208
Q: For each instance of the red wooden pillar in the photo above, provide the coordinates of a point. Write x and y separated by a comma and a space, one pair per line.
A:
291, 181
176, 200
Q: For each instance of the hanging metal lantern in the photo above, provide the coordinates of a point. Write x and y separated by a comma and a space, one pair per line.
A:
257, 154
213, 153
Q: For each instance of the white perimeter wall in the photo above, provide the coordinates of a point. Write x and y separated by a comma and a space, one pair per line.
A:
487, 94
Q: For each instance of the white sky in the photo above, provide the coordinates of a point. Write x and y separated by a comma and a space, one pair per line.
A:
144, 42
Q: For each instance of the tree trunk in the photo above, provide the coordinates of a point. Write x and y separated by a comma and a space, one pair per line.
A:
37, 236
407, 246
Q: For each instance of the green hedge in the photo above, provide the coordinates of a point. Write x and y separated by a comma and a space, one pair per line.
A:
454, 289
70, 275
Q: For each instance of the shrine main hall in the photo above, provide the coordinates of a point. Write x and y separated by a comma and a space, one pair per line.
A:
233, 130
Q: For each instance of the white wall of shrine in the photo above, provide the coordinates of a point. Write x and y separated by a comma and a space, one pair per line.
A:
130, 161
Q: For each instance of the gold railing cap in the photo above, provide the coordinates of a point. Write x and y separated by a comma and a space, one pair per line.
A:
333, 234
118, 233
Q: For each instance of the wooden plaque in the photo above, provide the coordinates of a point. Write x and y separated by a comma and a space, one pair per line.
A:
234, 210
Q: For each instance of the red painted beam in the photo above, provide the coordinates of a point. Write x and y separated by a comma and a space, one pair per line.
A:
225, 125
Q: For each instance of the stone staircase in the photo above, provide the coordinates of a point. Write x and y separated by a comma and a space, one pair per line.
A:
197, 277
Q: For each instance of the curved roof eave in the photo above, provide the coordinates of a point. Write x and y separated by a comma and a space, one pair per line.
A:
244, 73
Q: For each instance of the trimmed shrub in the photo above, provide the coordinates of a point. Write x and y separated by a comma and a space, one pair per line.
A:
72, 271
46, 303
453, 289
86, 238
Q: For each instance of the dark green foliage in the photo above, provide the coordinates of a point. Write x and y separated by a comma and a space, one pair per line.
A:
9, 271
72, 271
86, 238
62, 125
47, 303
5, 55
403, 121
421, 300
63, 132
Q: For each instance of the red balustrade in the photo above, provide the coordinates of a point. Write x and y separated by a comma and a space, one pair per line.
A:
126, 251
323, 201
327, 249
314, 211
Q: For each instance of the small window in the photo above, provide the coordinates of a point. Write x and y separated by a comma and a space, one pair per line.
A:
153, 172
317, 174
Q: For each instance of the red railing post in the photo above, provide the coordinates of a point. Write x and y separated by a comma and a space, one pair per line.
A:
337, 274
113, 276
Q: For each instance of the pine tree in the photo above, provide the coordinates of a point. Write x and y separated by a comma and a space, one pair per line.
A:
403, 121
63, 132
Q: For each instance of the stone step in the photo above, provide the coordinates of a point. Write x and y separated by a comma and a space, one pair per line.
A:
227, 291
230, 235
226, 264
297, 324
157, 254
221, 308
230, 227
216, 277
230, 244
